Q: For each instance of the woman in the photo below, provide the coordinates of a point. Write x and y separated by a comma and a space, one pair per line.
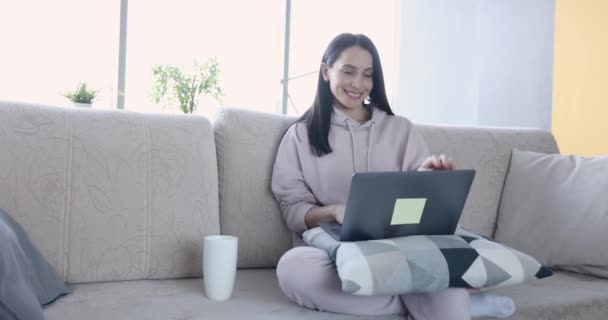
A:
351, 128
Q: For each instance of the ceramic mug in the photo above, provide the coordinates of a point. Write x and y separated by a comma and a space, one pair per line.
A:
219, 266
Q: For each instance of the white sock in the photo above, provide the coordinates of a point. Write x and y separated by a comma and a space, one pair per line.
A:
491, 305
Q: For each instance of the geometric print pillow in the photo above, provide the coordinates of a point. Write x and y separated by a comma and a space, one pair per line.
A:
425, 263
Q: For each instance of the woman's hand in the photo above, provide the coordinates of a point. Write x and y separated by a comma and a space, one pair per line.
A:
337, 212
434, 162
317, 215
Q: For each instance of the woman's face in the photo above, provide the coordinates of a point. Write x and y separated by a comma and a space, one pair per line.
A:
350, 78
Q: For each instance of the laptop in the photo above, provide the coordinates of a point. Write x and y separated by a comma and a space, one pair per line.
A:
384, 205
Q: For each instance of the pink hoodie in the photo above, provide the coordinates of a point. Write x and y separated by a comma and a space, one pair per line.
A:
301, 180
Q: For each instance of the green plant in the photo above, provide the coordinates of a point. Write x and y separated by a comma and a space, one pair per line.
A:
173, 85
82, 94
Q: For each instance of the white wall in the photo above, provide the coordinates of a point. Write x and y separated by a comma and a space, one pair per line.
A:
475, 62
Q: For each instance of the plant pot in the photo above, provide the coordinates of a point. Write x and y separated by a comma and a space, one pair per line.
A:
81, 105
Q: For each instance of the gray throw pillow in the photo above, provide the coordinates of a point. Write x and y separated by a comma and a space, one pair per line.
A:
554, 207
27, 281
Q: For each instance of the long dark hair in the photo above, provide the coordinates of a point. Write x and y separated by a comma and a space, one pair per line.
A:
318, 117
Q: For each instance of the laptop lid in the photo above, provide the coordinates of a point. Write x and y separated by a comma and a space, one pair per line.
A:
393, 204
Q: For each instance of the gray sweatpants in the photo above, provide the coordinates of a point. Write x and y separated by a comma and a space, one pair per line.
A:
309, 277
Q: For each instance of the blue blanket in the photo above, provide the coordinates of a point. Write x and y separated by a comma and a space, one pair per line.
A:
27, 281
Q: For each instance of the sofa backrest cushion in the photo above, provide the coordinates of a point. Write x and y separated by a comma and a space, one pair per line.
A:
488, 151
109, 194
554, 208
246, 144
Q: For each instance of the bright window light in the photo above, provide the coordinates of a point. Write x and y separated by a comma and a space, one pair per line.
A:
49, 50
48, 47
246, 37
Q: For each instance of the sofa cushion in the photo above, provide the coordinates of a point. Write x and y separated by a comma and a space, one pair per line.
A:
554, 207
110, 194
246, 144
424, 263
563, 296
257, 296
487, 150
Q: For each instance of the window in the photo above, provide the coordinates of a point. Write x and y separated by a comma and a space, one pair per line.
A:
48, 47
246, 37
48, 51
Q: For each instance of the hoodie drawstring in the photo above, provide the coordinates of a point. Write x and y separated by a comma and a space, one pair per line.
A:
352, 142
369, 143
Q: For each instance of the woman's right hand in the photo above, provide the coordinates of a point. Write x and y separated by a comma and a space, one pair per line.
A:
317, 215
434, 162
338, 212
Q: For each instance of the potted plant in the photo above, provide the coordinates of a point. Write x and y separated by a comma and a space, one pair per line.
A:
174, 86
82, 96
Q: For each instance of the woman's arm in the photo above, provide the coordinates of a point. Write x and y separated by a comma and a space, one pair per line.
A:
418, 157
288, 184
416, 150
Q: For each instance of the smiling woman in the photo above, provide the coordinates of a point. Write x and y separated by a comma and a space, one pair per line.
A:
351, 81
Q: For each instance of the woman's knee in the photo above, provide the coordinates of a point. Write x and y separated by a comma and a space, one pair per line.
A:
299, 267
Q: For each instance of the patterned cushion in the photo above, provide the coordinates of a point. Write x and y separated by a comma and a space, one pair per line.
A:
426, 263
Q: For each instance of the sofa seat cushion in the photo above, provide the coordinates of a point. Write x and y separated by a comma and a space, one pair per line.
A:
564, 296
257, 296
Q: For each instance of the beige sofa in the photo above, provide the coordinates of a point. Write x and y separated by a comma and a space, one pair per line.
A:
118, 203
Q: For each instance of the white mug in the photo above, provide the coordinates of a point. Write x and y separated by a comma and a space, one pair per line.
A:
219, 266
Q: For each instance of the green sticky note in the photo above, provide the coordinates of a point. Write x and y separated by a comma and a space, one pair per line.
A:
408, 211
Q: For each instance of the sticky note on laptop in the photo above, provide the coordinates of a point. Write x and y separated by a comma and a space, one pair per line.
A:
408, 211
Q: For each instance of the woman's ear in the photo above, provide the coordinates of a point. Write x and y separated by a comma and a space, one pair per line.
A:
324, 71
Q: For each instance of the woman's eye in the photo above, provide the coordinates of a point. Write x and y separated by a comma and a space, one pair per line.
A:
347, 72
367, 75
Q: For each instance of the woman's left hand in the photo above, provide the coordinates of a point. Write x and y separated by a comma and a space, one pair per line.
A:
441, 162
